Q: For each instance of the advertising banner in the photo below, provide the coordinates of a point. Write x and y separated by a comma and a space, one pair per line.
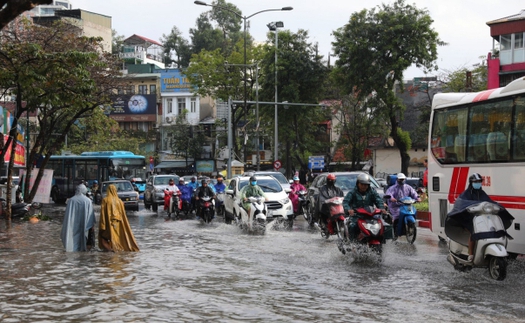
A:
205, 166
44, 188
172, 80
137, 104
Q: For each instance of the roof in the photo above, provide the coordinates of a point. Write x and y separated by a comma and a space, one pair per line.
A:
519, 16
140, 40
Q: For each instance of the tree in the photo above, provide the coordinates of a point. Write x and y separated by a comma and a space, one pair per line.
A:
58, 75
466, 80
117, 43
176, 48
374, 49
186, 141
300, 79
10, 9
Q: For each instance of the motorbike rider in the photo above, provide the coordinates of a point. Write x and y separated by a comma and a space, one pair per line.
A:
474, 192
94, 187
219, 186
296, 186
252, 189
396, 192
327, 191
185, 191
202, 191
361, 196
194, 186
171, 188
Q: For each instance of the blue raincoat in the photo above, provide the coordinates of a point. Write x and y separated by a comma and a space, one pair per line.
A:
78, 219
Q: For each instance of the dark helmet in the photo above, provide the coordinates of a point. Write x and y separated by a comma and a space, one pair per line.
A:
363, 179
204, 182
475, 178
253, 179
95, 182
171, 181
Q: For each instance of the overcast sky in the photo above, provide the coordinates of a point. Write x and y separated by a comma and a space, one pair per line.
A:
460, 23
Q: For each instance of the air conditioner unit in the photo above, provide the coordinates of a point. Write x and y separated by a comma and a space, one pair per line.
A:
169, 119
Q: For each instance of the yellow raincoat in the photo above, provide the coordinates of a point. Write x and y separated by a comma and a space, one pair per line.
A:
114, 232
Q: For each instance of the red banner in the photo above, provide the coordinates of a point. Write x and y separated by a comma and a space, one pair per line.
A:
20, 154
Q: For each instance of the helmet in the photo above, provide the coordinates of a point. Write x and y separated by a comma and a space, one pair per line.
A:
95, 182
363, 179
331, 177
401, 176
194, 178
204, 182
171, 180
475, 178
295, 178
253, 179
181, 180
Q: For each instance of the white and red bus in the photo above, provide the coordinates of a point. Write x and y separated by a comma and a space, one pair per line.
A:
483, 133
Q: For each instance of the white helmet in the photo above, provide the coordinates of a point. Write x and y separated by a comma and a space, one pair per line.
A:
401, 176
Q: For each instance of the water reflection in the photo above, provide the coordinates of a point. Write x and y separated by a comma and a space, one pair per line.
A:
187, 272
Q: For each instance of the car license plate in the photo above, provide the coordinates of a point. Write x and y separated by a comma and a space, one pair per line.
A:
270, 214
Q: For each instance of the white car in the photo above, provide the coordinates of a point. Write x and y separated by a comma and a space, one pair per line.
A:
278, 204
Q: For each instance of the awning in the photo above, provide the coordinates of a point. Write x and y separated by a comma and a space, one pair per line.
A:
173, 164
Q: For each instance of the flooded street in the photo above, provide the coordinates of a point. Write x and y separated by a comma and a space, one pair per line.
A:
190, 272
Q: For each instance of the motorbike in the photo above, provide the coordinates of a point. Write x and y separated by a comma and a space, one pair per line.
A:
174, 204
220, 203
490, 222
20, 209
254, 222
406, 225
335, 218
370, 230
303, 205
206, 209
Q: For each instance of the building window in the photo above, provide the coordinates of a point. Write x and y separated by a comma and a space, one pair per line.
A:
181, 105
193, 105
518, 40
143, 89
506, 42
153, 89
169, 108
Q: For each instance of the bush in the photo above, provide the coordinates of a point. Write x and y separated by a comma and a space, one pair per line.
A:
422, 206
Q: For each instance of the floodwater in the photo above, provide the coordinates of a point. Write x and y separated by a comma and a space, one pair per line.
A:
190, 272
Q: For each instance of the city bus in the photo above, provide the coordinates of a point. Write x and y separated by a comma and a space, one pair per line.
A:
71, 170
483, 133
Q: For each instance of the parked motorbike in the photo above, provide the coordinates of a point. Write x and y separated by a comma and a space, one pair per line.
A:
489, 223
20, 209
174, 202
220, 203
370, 230
206, 209
255, 222
335, 218
406, 224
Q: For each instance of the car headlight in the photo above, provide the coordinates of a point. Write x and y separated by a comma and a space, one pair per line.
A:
284, 201
159, 190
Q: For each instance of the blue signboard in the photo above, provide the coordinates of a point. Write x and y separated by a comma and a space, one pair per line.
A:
172, 80
316, 162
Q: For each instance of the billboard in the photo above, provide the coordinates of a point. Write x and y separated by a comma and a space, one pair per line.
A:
134, 104
172, 80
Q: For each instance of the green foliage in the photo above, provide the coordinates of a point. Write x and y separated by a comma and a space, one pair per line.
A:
456, 81
422, 206
404, 137
185, 140
376, 46
176, 48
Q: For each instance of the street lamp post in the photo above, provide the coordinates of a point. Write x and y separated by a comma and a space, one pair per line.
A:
244, 18
273, 27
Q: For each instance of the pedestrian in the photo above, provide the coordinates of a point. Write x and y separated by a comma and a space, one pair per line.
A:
78, 227
114, 232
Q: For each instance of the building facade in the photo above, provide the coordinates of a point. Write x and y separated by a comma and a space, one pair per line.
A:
506, 62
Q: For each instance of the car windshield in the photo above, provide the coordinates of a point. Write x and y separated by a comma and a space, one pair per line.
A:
165, 180
347, 181
121, 186
266, 184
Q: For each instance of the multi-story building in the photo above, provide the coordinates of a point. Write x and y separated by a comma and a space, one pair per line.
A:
506, 62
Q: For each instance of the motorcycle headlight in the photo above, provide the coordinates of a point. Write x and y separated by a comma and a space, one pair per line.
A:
373, 227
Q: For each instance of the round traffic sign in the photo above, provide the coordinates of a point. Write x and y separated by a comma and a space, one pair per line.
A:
277, 164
